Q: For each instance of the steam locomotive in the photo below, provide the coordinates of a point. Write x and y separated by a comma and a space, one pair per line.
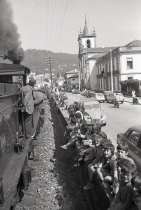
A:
15, 173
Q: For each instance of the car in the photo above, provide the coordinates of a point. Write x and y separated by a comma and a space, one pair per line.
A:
110, 97
75, 91
106, 93
100, 97
133, 138
93, 108
120, 97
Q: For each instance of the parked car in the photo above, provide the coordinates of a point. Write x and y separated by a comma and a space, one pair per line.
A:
75, 91
110, 97
133, 137
120, 97
106, 93
100, 97
93, 108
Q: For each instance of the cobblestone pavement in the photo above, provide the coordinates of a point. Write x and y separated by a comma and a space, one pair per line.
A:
55, 184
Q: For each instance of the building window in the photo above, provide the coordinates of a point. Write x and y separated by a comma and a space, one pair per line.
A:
88, 44
117, 63
130, 78
73, 79
129, 63
106, 67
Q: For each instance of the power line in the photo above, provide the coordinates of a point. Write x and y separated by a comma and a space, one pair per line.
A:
63, 18
49, 61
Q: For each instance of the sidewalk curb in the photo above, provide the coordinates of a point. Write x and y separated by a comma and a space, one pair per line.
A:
130, 100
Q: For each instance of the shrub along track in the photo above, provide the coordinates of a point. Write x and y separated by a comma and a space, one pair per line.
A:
55, 183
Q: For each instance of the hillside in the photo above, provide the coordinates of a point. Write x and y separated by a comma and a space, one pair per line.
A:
36, 60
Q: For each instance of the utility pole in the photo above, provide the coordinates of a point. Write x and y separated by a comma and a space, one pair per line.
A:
111, 64
49, 62
79, 73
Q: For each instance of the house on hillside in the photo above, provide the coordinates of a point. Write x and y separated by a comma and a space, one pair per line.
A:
109, 68
71, 80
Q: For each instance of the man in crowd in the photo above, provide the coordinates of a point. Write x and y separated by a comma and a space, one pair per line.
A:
39, 97
28, 106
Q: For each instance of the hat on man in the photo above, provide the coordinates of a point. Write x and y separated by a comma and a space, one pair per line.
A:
32, 82
79, 114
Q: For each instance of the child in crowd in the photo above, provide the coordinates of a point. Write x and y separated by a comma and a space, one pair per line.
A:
70, 129
97, 156
136, 182
80, 134
107, 169
89, 154
124, 199
122, 151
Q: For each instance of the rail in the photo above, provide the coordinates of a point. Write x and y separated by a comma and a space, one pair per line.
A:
8, 107
6, 96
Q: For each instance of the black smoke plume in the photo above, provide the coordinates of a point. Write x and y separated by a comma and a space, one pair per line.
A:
10, 45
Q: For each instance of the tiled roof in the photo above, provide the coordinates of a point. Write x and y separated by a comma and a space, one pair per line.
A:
73, 76
97, 56
98, 49
72, 71
135, 43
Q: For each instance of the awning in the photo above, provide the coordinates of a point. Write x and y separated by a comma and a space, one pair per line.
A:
129, 82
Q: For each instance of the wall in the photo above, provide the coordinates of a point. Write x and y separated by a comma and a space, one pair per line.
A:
93, 74
135, 72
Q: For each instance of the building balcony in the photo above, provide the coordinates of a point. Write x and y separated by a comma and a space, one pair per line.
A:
107, 74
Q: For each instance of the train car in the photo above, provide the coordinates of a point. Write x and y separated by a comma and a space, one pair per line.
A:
14, 149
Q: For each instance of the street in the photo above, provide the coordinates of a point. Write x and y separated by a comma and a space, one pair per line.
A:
118, 119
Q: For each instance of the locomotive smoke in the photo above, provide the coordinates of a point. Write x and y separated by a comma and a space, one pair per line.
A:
9, 37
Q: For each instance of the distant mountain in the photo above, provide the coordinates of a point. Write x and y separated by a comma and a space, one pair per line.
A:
36, 60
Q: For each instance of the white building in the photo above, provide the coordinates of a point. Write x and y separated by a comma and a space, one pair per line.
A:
71, 79
109, 68
122, 67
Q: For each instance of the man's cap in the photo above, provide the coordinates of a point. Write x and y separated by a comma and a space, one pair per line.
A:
32, 81
79, 114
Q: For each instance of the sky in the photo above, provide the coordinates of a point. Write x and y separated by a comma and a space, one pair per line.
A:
55, 24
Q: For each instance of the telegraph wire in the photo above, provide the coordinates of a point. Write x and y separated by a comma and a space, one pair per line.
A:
48, 23
63, 18
54, 24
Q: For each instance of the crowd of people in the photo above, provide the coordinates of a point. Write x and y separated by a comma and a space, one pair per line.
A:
101, 162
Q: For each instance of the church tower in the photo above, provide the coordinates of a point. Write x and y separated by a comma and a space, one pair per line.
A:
86, 39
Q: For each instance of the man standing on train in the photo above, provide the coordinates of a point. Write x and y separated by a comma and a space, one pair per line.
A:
39, 97
28, 103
